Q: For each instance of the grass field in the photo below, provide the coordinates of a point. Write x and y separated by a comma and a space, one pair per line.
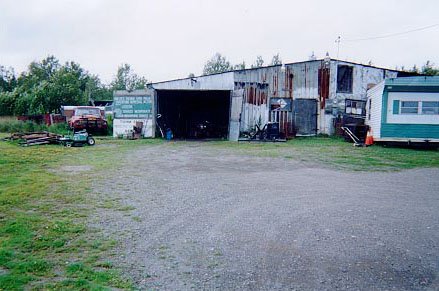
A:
335, 152
45, 242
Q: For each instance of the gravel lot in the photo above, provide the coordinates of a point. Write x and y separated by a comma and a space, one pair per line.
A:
201, 217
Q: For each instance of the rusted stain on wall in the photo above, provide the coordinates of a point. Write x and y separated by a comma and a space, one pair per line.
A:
289, 76
254, 93
323, 86
258, 86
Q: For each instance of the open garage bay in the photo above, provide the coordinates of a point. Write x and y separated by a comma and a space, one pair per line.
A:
194, 114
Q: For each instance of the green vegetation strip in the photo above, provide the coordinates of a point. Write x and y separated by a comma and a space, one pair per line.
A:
45, 243
336, 153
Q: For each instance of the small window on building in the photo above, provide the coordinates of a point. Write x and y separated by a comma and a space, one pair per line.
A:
355, 107
344, 79
430, 107
409, 107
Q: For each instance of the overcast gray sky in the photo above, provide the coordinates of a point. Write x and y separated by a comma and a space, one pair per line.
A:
166, 39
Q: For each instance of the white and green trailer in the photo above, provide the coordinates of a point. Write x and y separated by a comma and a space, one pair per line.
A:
404, 110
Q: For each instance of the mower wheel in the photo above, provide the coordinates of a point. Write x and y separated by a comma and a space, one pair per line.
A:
91, 141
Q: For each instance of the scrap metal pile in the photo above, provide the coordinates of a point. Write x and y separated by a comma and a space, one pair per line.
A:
35, 138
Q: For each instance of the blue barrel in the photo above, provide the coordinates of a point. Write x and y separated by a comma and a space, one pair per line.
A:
169, 134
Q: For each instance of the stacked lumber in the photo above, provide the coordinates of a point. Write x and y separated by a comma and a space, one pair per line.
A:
35, 138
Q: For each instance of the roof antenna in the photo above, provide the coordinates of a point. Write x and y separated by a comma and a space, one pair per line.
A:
327, 59
338, 40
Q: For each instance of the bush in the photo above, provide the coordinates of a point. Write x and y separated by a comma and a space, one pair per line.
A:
11, 126
60, 128
110, 125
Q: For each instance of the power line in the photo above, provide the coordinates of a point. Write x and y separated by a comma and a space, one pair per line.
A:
392, 34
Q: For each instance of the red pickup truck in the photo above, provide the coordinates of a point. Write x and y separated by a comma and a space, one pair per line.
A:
89, 118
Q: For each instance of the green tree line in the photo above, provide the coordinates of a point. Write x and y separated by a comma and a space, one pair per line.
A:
48, 84
219, 64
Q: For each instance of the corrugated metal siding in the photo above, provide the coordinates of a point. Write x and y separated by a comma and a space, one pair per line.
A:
258, 85
297, 80
222, 81
305, 84
305, 79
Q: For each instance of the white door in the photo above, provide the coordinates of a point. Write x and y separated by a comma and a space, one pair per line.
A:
235, 114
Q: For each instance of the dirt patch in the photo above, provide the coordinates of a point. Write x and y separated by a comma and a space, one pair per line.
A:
73, 170
3, 271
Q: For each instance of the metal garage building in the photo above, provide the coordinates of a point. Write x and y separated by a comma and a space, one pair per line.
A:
303, 97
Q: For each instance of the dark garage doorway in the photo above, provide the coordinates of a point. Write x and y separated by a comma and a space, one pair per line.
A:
194, 114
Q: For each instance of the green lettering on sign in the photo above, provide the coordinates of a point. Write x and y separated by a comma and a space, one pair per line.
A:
132, 107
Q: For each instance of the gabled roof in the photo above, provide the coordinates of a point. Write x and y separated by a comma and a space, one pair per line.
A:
292, 63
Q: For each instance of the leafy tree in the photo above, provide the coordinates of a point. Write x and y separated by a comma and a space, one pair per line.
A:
126, 79
38, 72
414, 69
47, 85
259, 62
217, 64
7, 103
429, 69
276, 60
240, 66
96, 91
65, 87
8, 80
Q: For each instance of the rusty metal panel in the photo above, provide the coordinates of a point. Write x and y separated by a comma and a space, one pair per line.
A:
258, 86
323, 86
304, 79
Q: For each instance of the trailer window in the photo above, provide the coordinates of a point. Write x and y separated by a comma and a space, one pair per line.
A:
430, 107
344, 79
409, 107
